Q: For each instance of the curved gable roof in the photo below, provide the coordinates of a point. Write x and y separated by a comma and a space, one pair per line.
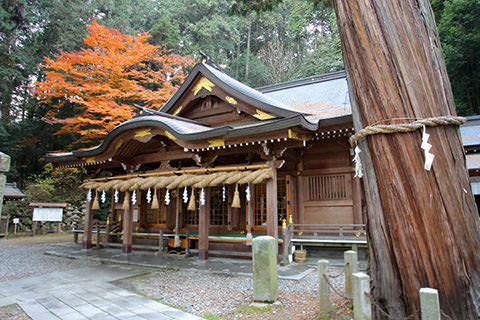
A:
234, 88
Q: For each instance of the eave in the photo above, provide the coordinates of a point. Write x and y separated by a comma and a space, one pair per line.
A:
193, 137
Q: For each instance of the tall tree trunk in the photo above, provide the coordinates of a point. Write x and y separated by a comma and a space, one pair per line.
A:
247, 62
423, 226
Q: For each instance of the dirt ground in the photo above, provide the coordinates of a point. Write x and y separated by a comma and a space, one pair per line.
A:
49, 238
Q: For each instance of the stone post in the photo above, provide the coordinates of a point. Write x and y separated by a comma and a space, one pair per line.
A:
265, 285
323, 288
351, 266
4, 167
286, 243
362, 307
429, 304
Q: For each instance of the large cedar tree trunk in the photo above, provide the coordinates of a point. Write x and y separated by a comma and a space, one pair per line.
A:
423, 226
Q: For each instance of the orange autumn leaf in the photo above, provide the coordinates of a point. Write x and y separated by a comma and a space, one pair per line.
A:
105, 78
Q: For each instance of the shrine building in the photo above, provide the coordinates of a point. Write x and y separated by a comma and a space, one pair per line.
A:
221, 163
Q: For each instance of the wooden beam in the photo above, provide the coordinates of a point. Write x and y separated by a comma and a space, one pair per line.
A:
88, 226
272, 212
162, 156
204, 222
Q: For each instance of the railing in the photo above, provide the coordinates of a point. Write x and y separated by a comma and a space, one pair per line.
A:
321, 234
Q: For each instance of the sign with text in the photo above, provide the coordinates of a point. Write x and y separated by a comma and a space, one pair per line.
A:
47, 214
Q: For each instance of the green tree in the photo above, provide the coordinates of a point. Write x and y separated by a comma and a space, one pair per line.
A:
459, 27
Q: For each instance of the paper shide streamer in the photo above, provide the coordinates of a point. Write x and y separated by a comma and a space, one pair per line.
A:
202, 197
103, 198
167, 197
358, 163
426, 147
115, 196
134, 197
247, 193
149, 195
185, 195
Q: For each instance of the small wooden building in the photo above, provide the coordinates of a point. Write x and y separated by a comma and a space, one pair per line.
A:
280, 151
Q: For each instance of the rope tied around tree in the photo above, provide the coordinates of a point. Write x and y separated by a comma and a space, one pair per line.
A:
405, 127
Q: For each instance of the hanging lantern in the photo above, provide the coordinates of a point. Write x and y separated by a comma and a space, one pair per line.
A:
185, 195
126, 201
149, 195
95, 205
89, 195
236, 198
191, 204
224, 194
115, 196
155, 204
167, 197
104, 196
202, 197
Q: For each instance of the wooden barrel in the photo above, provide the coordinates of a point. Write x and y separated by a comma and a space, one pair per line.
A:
300, 255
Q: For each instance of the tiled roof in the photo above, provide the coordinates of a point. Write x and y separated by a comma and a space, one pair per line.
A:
12, 192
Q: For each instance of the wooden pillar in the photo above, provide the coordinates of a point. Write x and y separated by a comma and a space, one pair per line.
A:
357, 200
34, 228
250, 219
272, 215
204, 221
88, 226
300, 192
127, 230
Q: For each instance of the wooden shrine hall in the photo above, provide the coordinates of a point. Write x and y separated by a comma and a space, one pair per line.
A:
221, 160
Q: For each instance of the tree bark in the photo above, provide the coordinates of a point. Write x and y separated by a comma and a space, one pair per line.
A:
423, 226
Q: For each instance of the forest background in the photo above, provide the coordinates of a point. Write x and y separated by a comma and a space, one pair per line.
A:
291, 40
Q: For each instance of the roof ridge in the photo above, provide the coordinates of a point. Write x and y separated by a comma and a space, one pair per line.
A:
300, 82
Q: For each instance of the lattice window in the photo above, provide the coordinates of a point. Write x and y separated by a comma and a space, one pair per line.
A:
260, 204
157, 216
331, 187
218, 208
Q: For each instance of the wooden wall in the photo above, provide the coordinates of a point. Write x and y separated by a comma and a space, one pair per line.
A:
326, 184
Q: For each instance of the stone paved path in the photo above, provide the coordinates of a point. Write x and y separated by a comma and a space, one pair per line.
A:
85, 293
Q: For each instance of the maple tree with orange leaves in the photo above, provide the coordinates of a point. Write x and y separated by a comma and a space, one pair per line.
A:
103, 80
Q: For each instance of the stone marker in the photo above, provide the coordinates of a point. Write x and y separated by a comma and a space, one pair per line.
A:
429, 304
351, 266
265, 285
362, 307
323, 288
4, 167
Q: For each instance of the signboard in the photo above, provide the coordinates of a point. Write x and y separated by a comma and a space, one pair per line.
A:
47, 214
16, 220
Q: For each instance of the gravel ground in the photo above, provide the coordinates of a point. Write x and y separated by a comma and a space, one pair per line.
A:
229, 297
216, 296
27, 259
